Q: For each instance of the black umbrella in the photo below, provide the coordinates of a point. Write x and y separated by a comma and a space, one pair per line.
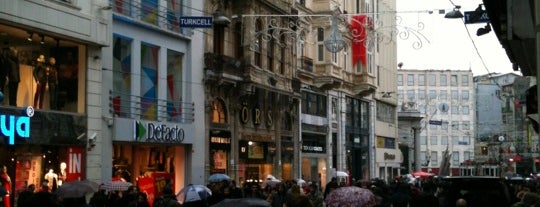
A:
243, 202
3, 191
76, 189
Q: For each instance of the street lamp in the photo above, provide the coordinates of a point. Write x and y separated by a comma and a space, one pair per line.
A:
454, 14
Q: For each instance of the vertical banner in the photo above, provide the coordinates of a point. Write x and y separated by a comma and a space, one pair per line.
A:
75, 163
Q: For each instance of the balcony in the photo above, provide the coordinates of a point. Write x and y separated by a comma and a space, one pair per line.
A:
327, 77
223, 68
364, 84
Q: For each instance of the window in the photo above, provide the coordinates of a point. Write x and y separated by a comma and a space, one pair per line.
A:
432, 80
466, 125
453, 80
410, 95
357, 113
434, 159
421, 94
320, 44
464, 95
423, 140
219, 114
454, 94
465, 80
257, 50
444, 126
386, 112
443, 95
455, 158
432, 94
174, 85
238, 50
313, 104
466, 155
434, 140
421, 80
455, 125
174, 12
149, 81
400, 79
423, 157
149, 11
455, 109
270, 50
335, 57
334, 108
442, 80
444, 140
282, 54
121, 99
465, 110
410, 80
466, 140
400, 94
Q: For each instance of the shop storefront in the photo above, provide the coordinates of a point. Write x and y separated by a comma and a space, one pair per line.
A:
314, 154
151, 154
388, 162
41, 148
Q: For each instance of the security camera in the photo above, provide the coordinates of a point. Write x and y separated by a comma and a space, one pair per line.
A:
92, 137
82, 136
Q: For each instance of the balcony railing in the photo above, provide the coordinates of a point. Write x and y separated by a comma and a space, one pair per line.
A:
148, 12
223, 64
132, 106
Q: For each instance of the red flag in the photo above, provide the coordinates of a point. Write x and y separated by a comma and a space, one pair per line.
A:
516, 104
359, 35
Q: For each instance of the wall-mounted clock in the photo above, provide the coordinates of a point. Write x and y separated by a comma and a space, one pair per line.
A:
443, 107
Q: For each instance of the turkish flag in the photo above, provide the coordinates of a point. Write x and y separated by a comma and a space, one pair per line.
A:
358, 32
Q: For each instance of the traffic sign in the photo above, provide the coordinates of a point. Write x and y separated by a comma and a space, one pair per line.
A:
473, 17
196, 22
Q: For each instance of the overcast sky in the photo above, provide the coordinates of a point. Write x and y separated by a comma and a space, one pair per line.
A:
447, 44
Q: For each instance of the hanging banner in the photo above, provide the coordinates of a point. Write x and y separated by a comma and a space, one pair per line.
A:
75, 163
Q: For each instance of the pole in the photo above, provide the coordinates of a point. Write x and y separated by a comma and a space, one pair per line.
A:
417, 164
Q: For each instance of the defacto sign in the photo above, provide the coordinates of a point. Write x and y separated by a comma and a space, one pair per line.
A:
11, 125
157, 132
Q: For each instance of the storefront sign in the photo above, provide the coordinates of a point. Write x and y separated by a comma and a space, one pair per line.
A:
157, 133
9, 125
74, 164
307, 148
388, 156
256, 115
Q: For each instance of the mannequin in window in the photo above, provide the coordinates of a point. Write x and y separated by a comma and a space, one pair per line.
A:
40, 77
14, 77
52, 82
4, 67
5, 180
51, 179
62, 174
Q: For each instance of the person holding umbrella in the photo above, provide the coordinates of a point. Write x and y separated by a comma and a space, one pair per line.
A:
168, 199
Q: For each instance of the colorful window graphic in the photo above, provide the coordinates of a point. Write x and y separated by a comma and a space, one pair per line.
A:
174, 85
149, 69
121, 77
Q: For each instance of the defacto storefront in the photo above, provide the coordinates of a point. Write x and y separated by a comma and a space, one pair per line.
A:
151, 154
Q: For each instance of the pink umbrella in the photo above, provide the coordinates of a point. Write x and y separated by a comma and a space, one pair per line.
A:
350, 196
422, 174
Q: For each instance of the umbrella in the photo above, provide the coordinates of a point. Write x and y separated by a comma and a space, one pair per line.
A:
421, 174
192, 193
243, 202
341, 174
218, 177
76, 189
117, 185
351, 196
301, 182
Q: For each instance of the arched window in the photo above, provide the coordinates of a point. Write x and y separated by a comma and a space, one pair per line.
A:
270, 49
219, 114
258, 43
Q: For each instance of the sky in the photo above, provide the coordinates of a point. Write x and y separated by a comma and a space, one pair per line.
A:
445, 42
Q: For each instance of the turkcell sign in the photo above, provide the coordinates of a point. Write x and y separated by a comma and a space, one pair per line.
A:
196, 22
9, 125
151, 132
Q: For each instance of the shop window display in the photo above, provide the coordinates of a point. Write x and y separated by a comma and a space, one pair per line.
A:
43, 75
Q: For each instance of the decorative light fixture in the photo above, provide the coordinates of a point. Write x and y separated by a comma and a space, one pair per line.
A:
454, 14
42, 39
220, 19
483, 30
29, 38
334, 42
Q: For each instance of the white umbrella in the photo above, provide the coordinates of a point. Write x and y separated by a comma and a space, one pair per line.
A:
341, 174
301, 182
193, 193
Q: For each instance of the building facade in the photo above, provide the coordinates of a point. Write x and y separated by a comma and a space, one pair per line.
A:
285, 99
51, 71
446, 99
153, 122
